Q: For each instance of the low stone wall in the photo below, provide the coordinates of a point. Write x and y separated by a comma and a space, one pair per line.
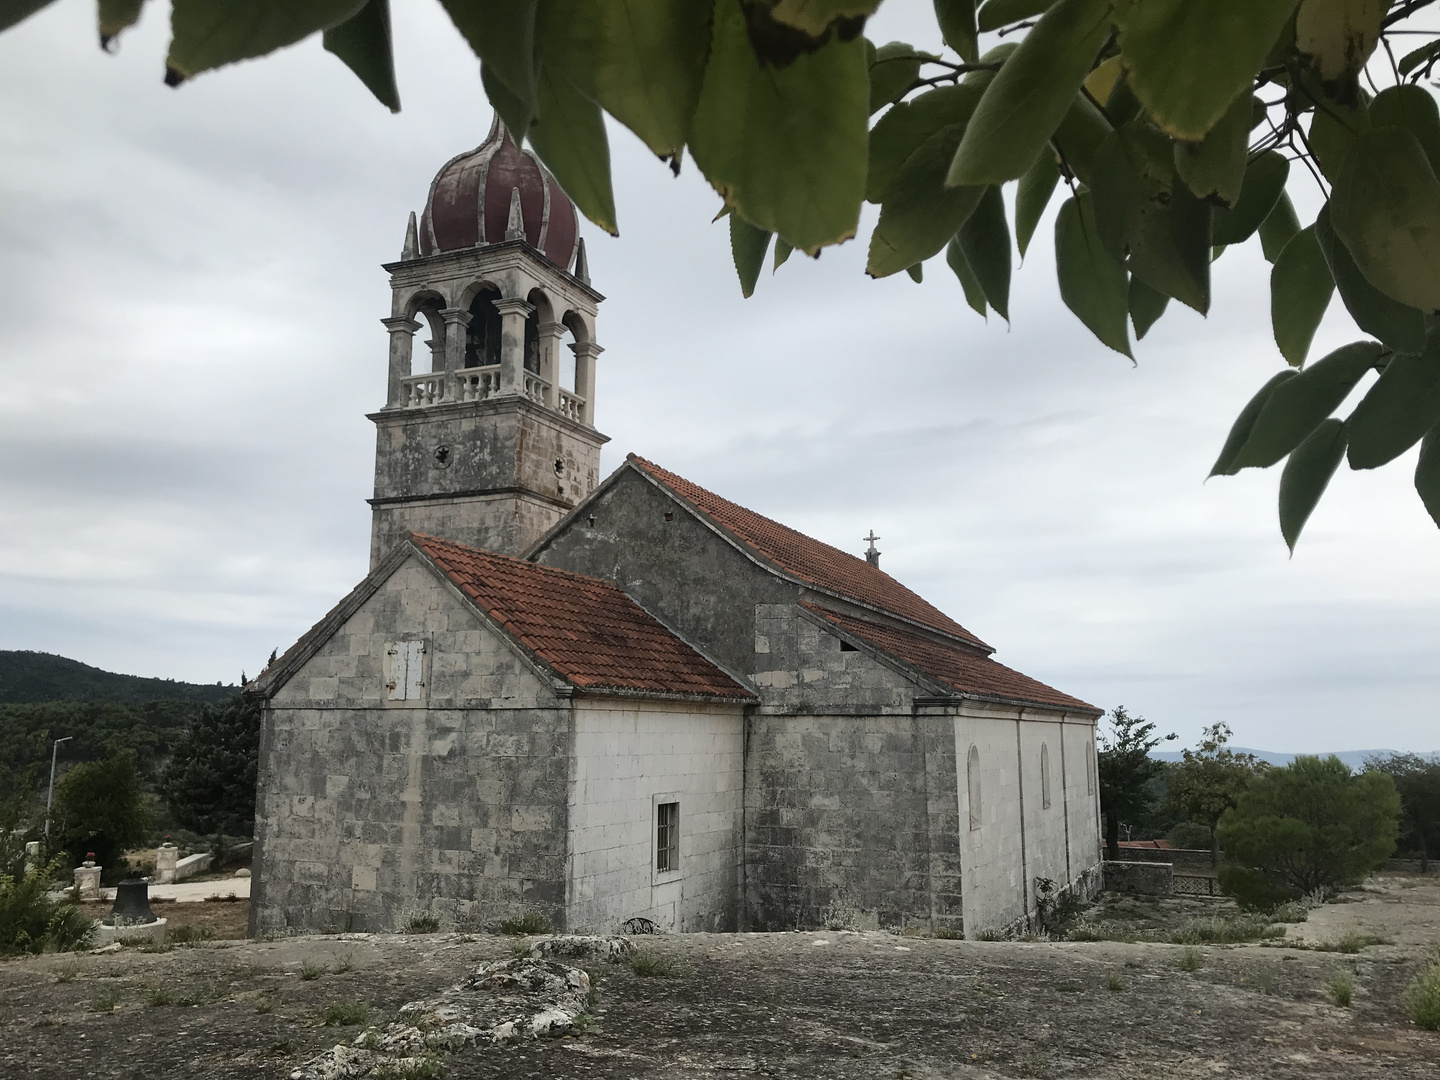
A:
191, 865
1140, 878
1185, 860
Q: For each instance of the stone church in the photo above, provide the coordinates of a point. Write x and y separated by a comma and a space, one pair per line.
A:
601, 700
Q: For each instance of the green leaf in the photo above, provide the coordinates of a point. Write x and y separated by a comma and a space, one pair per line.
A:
985, 239
957, 25
1189, 59
899, 133
920, 213
1412, 108
1338, 36
1092, 282
1029, 97
747, 247
1033, 195
815, 17
1142, 209
1398, 410
1427, 474
994, 14
1298, 406
363, 43
206, 35
641, 60
1225, 464
1079, 137
1300, 291
916, 272
1264, 182
113, 17
1398, 326
14, 11
515, 114
782, 252
1146, 306
895, 67
502, 34
569, 135
1279, 227
1306, 476
1122, 105
984, 75
974, 294
1214, 167
1333, 128
1386, 208
1413, 59
785, 146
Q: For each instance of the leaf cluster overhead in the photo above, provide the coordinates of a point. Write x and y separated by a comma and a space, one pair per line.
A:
1177, 128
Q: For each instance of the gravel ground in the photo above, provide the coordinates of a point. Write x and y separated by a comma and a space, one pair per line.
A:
867, 1006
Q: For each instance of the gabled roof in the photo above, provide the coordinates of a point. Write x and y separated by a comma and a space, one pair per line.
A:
584, 628
964, 669
807, 559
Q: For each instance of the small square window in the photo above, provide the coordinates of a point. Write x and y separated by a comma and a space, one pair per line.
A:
667, 837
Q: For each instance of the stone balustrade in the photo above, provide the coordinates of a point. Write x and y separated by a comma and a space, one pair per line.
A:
417, 391
478, 383
570, 405
536, 388
481, 383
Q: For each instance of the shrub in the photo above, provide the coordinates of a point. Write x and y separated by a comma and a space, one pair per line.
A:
100, 806
1312, 825
309, 970
1351, 943
31, 922
1189, 836
1191, 959
950, 933
159, 995
422, 924
1342, 990
1422, 998
531, 922
1219, 930
346, 1013
106, 1001
651, 965
1113, 983
1252, 889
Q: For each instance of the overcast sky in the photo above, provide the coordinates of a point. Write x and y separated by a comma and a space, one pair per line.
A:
190, 295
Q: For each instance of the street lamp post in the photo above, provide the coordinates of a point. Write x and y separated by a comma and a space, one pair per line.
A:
50, 796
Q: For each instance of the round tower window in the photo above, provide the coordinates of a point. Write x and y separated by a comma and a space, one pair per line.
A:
442, 455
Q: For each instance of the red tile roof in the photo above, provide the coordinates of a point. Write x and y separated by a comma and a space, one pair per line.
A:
584, 628
966, 670
808, 559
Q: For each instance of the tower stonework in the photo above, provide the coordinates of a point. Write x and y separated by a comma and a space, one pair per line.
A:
485, 445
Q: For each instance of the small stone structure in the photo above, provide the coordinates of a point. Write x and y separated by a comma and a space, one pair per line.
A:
32, 856
1140, 878
87, 879
192, 865
166, 856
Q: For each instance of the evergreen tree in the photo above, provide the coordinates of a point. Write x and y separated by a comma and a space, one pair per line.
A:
100, 806
1126, 770
1418, 782
1210, 780
209, 784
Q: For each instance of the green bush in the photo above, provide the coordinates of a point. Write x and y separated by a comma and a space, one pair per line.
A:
31, 922
1190, 836
1252, 889
1422, 998
100, 806
1342, 990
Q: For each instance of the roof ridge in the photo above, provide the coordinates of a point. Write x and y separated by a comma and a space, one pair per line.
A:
525, 563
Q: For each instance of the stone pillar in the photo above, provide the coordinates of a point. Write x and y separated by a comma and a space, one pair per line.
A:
550, 335
457, 322
166, 856
513, 313
402, 338
585, 354
87, 879
32, 857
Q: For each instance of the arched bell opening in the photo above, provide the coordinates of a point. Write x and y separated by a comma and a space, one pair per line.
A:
482, 336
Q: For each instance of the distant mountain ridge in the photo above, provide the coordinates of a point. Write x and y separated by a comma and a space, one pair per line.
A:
27, 677
1354, 758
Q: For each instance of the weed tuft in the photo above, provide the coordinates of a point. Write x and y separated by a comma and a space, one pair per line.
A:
156, 996
1222, 930
1341, 990
1113, 983
1422, 998
1351, 943
189, 935
531, 922
651, 965
950, 933
427, 1068
346, 1013
67, 973
423, 923
310, 970
1191, 958
345, 963
106, 1001
283, 1045
264, 1005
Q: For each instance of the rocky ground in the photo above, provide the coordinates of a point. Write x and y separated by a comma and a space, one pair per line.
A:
868, 1006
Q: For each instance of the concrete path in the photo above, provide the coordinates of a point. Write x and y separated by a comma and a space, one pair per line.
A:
187, 891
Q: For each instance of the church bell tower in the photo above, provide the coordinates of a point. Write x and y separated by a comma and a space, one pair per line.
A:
486, 444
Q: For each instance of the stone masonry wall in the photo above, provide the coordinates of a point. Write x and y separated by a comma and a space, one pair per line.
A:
630, 755
507, 523
851, 813
369, 811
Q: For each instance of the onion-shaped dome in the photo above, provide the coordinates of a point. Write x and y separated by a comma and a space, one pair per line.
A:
471, 197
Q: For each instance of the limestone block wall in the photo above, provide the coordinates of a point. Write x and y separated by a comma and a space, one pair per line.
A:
369, 811
799, 666
629, 755
508, 523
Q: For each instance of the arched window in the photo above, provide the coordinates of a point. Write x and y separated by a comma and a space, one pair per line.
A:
482, 336
1089, 769
1045, 776
972, 784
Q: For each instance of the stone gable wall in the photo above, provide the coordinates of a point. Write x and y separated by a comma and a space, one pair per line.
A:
369, 812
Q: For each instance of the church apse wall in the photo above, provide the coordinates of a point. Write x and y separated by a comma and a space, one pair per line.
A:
370, 810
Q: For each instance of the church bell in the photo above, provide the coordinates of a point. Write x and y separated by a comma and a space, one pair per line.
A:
132, 905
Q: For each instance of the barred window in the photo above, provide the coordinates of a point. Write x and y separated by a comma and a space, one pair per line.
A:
667, 836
